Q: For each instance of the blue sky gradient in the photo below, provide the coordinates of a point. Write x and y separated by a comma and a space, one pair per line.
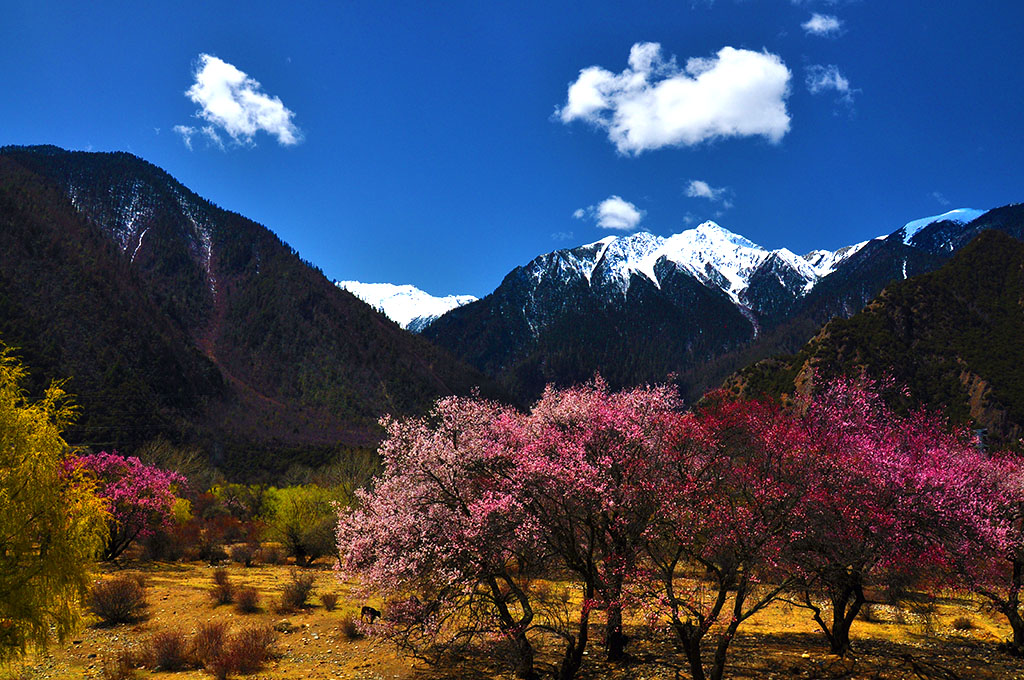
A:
431, 152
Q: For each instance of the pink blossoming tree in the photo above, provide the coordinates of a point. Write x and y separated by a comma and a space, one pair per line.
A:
442, 539
584, 474
990, 560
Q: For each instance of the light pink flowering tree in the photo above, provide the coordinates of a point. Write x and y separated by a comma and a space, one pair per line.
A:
441, 537
140, 497
584, 474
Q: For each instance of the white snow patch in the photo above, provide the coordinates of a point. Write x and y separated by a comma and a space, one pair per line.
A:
961, 215
202, 240
824, 262
139, 244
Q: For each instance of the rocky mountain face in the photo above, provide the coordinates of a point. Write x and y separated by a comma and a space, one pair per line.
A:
953, 338
697, 305
172, 317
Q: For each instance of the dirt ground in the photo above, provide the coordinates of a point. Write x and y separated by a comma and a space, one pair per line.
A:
780, 642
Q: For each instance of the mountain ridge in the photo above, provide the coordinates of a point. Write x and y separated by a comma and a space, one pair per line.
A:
295, 367
953, 337
755, 302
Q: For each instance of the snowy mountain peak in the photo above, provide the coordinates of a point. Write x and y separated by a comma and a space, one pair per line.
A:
713, 233
406, 305
960, 215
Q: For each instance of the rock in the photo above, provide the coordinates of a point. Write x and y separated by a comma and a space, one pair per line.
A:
284, 626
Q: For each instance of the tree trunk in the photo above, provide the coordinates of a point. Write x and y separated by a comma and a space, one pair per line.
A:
843, 614
690, 636
615, 639
524, 650
1011, 610
721, 651
573, 658
844, 611
524, 665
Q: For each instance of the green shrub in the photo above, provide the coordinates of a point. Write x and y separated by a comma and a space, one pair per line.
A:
303, 519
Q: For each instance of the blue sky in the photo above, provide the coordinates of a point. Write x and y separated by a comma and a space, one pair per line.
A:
437, 143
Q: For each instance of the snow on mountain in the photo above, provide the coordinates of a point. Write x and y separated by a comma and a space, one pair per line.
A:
714, 255
825, 261
717, 256
406, 305
960, 215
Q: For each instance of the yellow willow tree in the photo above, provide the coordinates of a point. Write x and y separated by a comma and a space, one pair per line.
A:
51, 523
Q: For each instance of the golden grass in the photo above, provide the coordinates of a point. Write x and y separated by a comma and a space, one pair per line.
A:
781, 641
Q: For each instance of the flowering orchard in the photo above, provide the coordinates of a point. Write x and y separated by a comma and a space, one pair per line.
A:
139, 497
693, 521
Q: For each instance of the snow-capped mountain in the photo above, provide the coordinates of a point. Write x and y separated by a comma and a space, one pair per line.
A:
408, 306
713, 255
639, 307
958, 216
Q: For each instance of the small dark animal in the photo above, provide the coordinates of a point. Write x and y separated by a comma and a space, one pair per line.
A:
369, 614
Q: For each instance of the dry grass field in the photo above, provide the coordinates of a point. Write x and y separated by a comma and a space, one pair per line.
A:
781, 642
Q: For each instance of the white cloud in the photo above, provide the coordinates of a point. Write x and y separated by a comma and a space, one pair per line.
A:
826, 25
654, 103
613, 212
186, 132
698, 188
824, 78
940, 197
235, 103
562, 235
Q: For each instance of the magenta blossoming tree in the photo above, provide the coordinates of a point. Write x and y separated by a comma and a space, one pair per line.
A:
990, 559
732, 493
139, 497
698, 520
889, 496
443, 538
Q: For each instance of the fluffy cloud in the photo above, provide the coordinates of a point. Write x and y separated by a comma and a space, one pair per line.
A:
821, 79
613, 212
233, 102
825, 25
654, 103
